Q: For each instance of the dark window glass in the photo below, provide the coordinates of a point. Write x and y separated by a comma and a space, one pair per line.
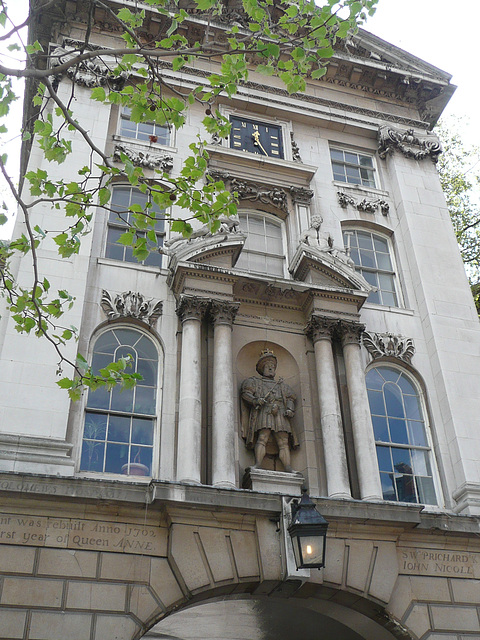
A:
120, 221
119, 425
147, 131
371, 255
352, 168
405, 465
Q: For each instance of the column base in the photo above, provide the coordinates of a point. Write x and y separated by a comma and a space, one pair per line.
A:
287, 484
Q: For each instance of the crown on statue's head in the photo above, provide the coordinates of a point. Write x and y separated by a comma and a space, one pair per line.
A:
265, 355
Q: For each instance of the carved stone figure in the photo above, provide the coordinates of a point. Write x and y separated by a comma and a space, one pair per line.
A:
323, 242
267, 406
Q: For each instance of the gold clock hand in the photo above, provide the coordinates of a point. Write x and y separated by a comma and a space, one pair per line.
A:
256, 140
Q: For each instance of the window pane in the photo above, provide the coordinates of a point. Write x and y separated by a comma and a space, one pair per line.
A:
421, 463
412, 407
116, 457
401, 460
336, 154
95, 426
380, 429
367, 259
393, 400
142, 431
398, 431
148, 370
119, 429
99, 399
426, 491
374, 380
92, 456
405, 488
365, 240
384, 459
122, 399
377, 405
144, 400
417, 433
384, 262
388, 488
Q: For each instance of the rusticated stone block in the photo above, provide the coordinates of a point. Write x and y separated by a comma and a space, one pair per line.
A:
455, 618
186, 553
142, 602
117, 627
16, 559
164, 583
125, 568
385, 571
333, 572
96, 597
359, 560
12, 623
215, 545
58, 626
418, 620
245, 553
32, 592
66, 562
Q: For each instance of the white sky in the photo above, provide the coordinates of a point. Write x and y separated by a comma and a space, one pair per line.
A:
438, 31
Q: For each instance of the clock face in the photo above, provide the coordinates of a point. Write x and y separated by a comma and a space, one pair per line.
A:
256, 137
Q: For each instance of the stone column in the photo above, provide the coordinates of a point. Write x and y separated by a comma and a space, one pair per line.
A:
223, 423
320, 331
189, 437
363, 437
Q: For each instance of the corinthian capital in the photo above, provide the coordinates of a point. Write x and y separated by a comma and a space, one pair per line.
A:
350, 332
320, 328
191, 308
223, 312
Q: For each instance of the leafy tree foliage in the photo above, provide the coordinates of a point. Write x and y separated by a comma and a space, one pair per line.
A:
460, 178
288, 39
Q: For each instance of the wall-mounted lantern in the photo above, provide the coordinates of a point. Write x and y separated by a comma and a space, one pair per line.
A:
308, 531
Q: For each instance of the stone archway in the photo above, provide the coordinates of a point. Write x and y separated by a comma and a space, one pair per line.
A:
251, 617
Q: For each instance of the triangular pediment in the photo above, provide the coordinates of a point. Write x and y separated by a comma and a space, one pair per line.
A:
327, 268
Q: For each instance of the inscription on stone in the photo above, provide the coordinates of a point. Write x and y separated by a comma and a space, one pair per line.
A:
94, 535
435, 562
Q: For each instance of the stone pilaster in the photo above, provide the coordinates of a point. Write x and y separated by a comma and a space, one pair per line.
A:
191, 310
223, 314
320, 330
363, 437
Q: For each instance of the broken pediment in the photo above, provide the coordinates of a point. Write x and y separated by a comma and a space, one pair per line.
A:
330, 268
220, 249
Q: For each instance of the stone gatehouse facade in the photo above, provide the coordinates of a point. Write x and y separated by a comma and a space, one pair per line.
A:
336, 300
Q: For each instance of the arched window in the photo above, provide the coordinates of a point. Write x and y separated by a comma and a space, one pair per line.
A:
403, 451
263, 251
373, 258
119, 425
119, 222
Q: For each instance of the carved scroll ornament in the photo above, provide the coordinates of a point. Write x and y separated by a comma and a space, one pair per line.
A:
389, 344
88, 73
144, 159
131, 305
276, 196
368, 206
408, 143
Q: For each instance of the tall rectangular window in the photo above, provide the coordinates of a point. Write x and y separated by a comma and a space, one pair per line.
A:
352, 167
263, 251
371, 255
120, 220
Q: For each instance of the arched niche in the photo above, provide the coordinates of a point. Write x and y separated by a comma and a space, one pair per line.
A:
288, 369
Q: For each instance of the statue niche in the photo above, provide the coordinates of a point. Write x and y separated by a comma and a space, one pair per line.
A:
267, 405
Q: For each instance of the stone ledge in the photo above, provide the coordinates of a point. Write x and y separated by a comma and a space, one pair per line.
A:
157, 493
286, 484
